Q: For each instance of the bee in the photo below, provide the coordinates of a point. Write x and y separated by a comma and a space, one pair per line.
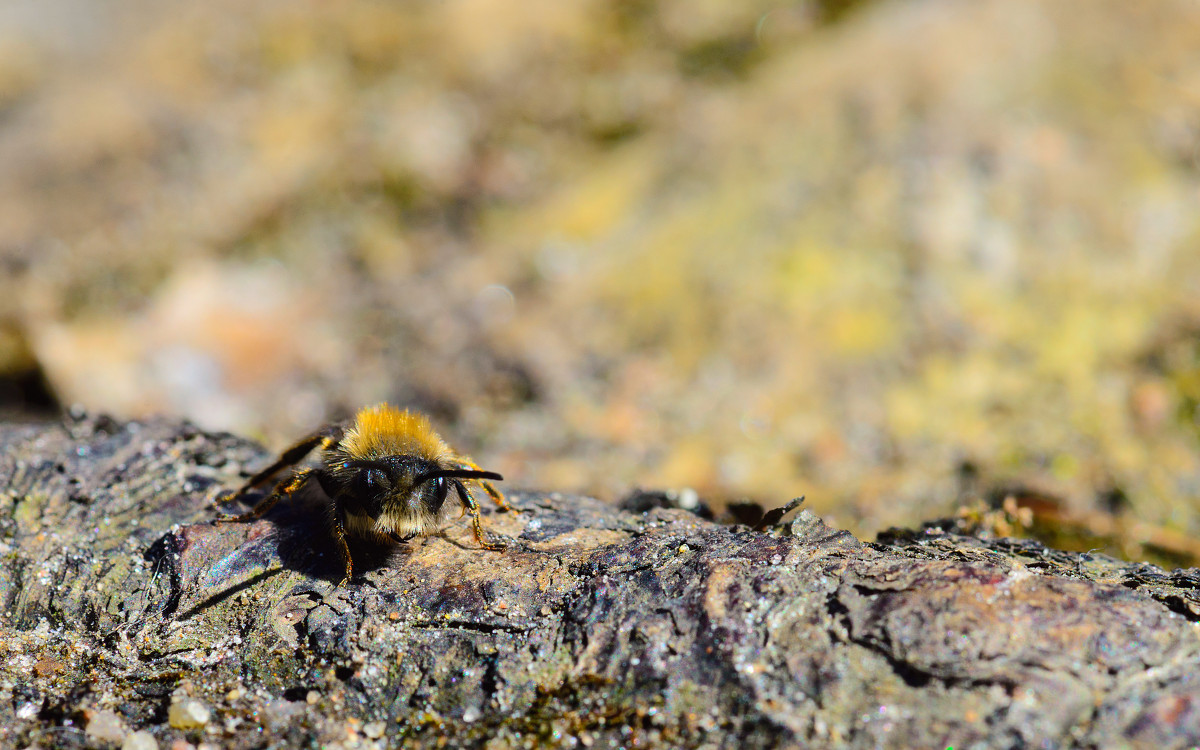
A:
387, 475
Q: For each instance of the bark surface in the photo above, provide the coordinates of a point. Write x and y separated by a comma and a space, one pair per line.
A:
125, 610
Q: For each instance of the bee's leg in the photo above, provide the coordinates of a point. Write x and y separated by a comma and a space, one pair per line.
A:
473, 510
339, 535
286, 487
497, 497
488, 487
290, 457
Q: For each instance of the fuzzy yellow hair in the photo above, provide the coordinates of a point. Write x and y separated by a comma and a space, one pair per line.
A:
384, 430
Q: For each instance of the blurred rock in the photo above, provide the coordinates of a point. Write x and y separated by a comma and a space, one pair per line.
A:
187, 713
106, 726
140, 740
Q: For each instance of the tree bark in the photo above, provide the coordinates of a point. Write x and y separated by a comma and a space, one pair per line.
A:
125, 609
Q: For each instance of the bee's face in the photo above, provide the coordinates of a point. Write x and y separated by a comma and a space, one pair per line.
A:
397, 487
418, 496
402, 494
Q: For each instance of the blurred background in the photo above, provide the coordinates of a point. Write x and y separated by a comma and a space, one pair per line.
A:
906, 258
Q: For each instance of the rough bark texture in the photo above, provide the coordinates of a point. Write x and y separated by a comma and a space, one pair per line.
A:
598, 627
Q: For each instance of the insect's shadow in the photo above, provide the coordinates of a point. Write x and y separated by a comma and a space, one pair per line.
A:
301, 539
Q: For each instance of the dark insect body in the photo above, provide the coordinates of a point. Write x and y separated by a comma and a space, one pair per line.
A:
387, 475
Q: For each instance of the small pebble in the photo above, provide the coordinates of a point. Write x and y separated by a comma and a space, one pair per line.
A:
374, 729
188, 713
688, 499
279, 712
106, 726
312, 697
806, 522
46, 667
140, 740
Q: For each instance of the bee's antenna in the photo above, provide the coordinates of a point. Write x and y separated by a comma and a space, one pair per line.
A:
456, 474
422, 478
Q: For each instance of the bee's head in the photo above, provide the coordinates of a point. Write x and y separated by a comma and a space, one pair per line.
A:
406, 486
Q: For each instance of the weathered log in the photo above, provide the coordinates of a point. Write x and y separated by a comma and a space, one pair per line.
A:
125, 609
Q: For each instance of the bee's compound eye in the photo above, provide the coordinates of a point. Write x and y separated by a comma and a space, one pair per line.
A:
368, 483
440, 488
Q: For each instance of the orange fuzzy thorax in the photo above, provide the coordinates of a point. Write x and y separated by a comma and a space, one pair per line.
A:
384, 430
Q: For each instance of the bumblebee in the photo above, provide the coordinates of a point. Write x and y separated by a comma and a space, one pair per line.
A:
387, 475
